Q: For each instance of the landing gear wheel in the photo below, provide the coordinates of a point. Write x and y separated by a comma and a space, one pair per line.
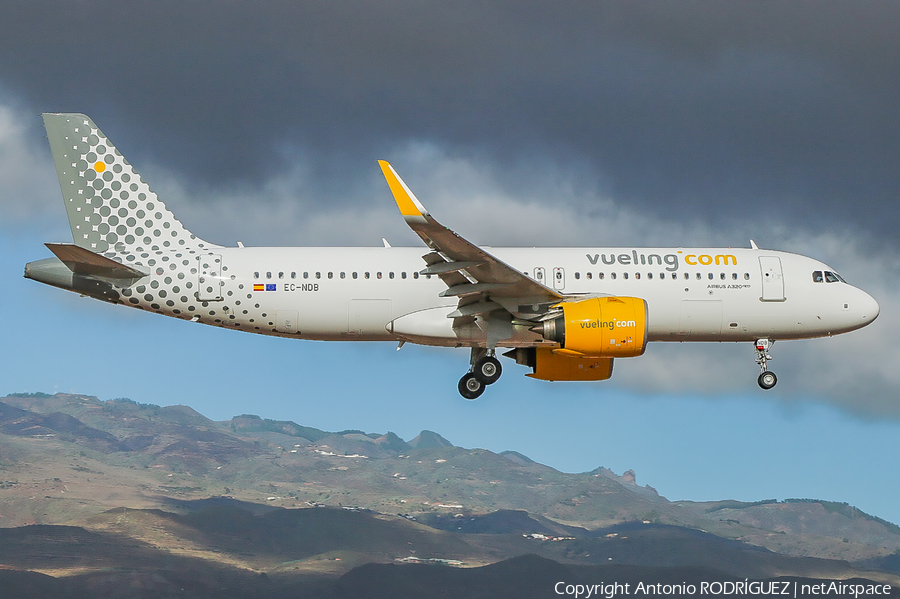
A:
488, 370
767, 379
470, 386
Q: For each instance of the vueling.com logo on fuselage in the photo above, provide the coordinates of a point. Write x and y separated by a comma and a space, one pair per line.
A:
671, 261
606, 324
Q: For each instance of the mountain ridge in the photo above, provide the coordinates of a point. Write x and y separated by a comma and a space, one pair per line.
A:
158, 465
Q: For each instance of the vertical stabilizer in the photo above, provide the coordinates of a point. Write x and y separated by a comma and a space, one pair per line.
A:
110, 207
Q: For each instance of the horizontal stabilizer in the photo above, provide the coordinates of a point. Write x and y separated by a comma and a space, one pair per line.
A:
83, 261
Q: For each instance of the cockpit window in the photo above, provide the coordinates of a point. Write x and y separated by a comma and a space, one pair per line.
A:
830, 277
817, 276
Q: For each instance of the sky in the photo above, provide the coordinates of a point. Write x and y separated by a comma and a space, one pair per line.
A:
566, 123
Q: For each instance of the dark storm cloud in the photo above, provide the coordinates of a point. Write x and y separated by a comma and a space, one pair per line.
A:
720, 111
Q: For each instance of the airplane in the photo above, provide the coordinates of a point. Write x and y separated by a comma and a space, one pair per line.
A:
566, 313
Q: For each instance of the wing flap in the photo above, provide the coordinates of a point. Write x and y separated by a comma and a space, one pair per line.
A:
470, 289
446, 267
474, 309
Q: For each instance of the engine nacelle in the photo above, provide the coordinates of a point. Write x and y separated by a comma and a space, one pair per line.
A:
606, 327
559, 365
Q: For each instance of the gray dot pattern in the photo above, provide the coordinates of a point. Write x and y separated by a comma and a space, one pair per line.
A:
110, 207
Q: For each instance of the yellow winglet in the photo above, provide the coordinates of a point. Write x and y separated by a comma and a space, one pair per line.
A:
407, 202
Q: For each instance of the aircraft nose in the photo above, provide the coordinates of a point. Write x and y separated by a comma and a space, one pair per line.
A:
869, 309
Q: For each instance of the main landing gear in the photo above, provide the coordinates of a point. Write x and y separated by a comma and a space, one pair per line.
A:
767, 379
485, 371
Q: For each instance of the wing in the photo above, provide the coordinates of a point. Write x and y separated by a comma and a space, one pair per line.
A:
482, 283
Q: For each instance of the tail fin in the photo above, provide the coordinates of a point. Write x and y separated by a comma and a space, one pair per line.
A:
110, 207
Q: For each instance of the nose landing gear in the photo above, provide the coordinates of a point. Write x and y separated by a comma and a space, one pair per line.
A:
485, 371
767, 379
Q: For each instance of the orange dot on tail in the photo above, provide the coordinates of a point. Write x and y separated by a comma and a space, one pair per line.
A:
99, 167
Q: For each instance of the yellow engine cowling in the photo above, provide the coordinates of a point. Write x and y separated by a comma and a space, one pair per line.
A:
600, 327
549, 365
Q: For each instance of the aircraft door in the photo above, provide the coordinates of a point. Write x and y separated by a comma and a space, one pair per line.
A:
210, 278
559, 278
772, 279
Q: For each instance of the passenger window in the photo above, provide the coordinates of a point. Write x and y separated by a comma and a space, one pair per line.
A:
415, 275
588, 275
318, 275
391, 275
699, 276
354, 275
403, 275
830, 278
746, 276
268, 275
710, 276
649, 275
600, 275
377, 275
331, 275
734, 276
722, 276
305, 275
256, 275
637, 275
366, 275
612, 275
687, 276
293, 275
343, 275
674, 276
577, 275
817, 276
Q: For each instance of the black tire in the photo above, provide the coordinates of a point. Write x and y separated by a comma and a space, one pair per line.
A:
488, 370
767, 380
470, 386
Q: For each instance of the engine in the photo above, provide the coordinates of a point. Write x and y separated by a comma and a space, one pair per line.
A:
603, 327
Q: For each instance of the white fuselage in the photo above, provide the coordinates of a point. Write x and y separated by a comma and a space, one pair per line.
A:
341, 293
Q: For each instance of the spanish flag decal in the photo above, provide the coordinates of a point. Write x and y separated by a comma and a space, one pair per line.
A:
257, 287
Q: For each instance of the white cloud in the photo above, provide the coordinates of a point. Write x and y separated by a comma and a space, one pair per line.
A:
545, 208
29, 189
284, 211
